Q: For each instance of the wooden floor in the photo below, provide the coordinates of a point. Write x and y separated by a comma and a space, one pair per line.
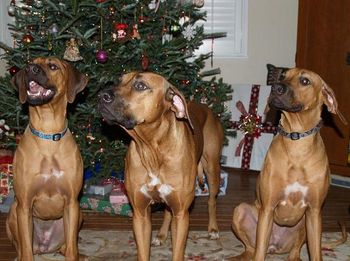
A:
241, 187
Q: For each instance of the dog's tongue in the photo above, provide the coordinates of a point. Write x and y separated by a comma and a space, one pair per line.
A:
34, 87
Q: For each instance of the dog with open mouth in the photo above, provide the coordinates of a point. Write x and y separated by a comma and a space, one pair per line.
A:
48, 168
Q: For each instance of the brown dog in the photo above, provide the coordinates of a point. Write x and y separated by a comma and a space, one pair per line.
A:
172, 142
48, 169
294, 180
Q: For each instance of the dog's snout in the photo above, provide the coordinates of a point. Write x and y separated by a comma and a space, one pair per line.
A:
107, 96
279, 88
33, 68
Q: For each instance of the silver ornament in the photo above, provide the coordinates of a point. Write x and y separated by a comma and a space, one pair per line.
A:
38, 3
53, 29
11, 10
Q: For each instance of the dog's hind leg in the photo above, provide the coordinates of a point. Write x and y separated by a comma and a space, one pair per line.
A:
212, 172
164, 230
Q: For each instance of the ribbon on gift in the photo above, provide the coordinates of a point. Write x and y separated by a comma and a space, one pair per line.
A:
250, 123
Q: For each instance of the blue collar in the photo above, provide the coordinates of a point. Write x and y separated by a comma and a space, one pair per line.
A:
53, 137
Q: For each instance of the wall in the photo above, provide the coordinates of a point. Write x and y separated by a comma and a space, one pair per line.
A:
271, 39
272, 31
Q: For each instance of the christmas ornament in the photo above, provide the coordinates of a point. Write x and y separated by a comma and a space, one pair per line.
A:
38, 4
72, 53
121, 30
166, 38
198, 3
101, 56
144, 62
100, 1
135, 32
53, 29
11, 9
154, 5
13, 70
175, 29
189, 32
27, 39
184, 19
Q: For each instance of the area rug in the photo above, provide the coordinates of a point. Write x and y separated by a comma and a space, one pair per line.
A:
120, 245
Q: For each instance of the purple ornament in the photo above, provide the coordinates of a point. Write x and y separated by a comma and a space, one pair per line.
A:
101, 56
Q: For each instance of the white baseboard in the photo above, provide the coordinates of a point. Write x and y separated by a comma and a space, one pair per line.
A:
340, 181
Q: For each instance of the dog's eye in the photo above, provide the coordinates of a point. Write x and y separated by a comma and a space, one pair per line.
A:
304, 81
140, 86
53, 66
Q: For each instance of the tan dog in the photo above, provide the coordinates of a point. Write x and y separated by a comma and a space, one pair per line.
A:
172, 142
48, 169
294, 179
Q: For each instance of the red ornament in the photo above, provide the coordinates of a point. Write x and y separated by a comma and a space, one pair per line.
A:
101, 56
144, 62
13, 70
27, 39
100, 1
121, 30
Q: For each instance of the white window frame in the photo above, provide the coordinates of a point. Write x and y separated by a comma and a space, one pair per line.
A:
230, 16
5, 19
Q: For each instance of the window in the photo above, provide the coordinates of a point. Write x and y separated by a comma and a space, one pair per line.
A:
230, 16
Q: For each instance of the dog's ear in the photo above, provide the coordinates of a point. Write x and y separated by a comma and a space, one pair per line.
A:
178, 103
18, 81
77, 81
331, 102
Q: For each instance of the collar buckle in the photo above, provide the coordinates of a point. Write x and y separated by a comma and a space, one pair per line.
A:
294, 135
56, 136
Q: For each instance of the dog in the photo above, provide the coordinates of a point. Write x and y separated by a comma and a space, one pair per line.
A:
294, 179
48, 168
172, 142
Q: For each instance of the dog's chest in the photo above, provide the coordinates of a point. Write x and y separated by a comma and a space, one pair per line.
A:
155, 189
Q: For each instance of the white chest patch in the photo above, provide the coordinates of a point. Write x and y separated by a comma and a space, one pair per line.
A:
57, 173
294, 188
155, 184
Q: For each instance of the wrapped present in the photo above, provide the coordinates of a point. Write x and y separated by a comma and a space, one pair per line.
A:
118, 197
6, 176
202, 185
248, 149
102, 204
100, 189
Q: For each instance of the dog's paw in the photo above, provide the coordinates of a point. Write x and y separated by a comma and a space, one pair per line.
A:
157, 242
214, 235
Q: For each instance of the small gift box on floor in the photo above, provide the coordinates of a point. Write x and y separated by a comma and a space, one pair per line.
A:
248, 149
108, 196
202, 185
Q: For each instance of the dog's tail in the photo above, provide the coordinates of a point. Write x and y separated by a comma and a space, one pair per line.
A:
342, 240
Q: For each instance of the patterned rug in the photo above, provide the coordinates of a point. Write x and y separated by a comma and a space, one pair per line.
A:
120, 245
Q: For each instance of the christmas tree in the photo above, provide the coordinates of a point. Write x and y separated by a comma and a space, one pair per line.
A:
104, 39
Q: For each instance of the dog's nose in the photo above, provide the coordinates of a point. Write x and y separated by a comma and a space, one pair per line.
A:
33, 68
107, 96
279, 88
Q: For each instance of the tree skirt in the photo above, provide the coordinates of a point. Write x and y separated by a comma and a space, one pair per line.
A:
120, 245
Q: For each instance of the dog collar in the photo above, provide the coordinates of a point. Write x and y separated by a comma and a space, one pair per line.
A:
54, 137
298, 135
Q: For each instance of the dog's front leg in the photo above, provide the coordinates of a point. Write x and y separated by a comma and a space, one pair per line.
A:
25, 231
179, 232
143, 230
263, 233
71, 224
314, 233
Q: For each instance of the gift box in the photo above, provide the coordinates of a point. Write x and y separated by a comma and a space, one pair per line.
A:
100, 189
107, 196
98, 203
248, 149
202, 185
6, 177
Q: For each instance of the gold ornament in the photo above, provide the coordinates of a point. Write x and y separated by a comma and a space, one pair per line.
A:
72, 53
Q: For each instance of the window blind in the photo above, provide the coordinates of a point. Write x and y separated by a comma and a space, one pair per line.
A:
230, 16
